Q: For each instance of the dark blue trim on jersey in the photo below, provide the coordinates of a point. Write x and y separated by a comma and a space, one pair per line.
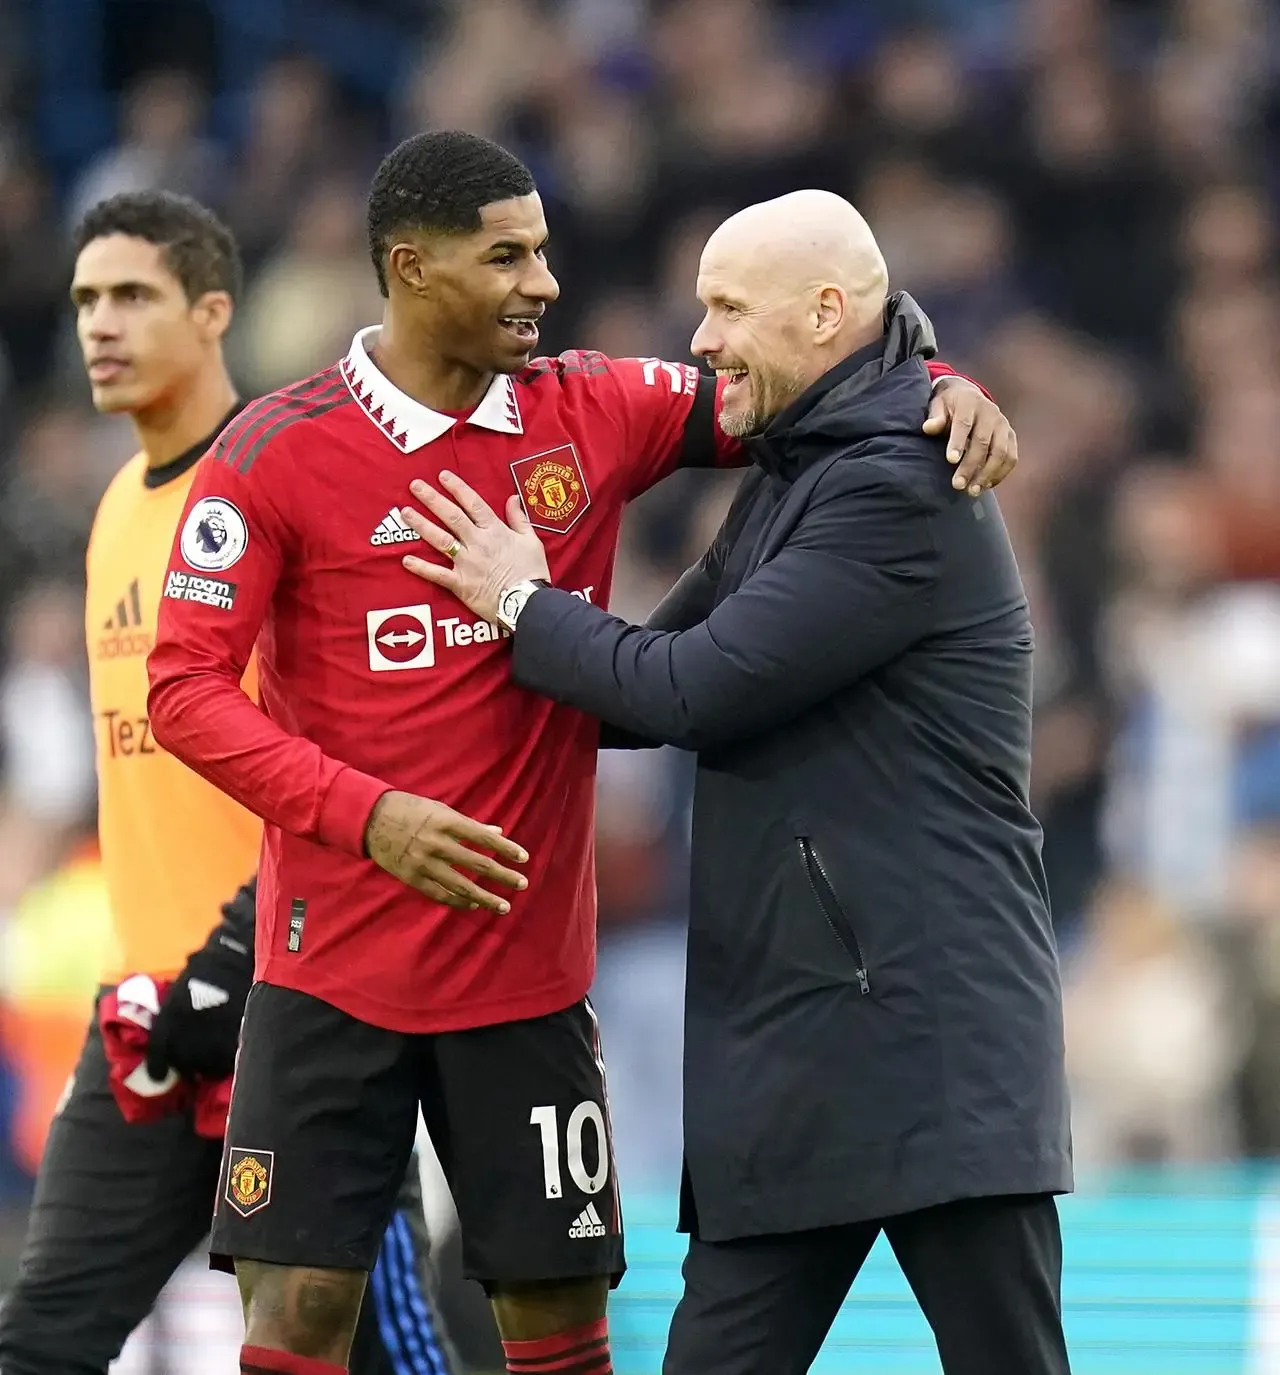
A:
404, 1316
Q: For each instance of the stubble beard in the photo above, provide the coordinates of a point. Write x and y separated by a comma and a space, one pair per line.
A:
777, 387
740, 424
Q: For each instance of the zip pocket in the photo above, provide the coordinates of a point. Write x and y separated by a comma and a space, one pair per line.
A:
841, 927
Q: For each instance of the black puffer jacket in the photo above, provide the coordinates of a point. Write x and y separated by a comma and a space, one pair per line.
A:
874, 1019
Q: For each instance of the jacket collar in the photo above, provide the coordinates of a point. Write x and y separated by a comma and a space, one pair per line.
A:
408, 423
908, 333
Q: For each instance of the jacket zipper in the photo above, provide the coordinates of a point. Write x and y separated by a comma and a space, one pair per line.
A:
841, 928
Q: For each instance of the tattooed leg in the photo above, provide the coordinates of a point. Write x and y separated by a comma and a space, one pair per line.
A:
302, 1311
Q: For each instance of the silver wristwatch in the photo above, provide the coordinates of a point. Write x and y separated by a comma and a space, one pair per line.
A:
511, 601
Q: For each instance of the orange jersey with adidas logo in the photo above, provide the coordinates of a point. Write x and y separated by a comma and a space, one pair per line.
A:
173, 847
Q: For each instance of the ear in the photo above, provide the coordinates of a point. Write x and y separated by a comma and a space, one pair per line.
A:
213, 312
406, 265
829, 310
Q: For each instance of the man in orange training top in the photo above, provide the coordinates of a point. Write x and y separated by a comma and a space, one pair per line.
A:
119, 1205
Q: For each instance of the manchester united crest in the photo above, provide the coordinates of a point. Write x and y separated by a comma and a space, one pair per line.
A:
249, 1180
551, 488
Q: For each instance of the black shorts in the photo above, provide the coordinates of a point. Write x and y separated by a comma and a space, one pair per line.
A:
323, 1116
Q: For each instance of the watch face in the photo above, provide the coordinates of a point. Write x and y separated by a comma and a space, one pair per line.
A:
509, 607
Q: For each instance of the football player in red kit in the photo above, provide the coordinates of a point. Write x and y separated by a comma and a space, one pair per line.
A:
389, 974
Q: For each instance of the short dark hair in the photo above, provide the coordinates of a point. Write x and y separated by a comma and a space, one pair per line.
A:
439, 181
196, 246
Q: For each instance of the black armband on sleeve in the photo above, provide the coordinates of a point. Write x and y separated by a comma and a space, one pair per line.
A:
698, 446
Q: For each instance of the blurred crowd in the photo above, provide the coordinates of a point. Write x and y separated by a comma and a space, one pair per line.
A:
1083, 196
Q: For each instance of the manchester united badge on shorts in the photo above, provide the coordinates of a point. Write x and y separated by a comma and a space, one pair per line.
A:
249, 1180
551, 488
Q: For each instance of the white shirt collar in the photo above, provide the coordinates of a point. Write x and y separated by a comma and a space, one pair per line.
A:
407, 423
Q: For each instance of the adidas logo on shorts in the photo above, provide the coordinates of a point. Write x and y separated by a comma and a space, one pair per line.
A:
588, 1224
392, 530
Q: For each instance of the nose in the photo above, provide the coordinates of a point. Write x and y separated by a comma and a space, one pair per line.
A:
102, 322
705, 343
541, 285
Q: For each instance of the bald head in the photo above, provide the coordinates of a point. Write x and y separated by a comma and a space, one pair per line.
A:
791, 286
800, 242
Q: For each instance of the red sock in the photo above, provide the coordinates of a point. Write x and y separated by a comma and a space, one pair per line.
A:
262, 1360
581, 1351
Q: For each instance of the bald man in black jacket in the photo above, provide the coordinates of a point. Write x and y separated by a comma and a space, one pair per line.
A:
873, 1035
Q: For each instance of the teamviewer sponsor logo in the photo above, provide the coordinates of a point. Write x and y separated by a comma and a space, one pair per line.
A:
588, 1224
400, 637
406, 636
391, 529
187, 587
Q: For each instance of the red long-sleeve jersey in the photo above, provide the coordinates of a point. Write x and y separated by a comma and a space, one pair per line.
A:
371, 679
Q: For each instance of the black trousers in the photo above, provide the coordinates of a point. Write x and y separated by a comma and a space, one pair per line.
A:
118, 1208
986, 1273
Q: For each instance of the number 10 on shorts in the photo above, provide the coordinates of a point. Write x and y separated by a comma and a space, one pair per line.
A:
546, 1120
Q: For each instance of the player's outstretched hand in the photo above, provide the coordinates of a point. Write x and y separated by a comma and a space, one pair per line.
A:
981, 442
426, 844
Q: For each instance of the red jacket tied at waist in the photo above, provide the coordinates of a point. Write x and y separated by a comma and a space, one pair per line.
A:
125, 1014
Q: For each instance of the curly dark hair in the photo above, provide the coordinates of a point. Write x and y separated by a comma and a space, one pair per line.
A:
439, 181
197, 247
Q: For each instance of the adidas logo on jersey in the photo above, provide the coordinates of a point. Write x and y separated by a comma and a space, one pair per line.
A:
205, 996
588, 1224
124, 638
392, 530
